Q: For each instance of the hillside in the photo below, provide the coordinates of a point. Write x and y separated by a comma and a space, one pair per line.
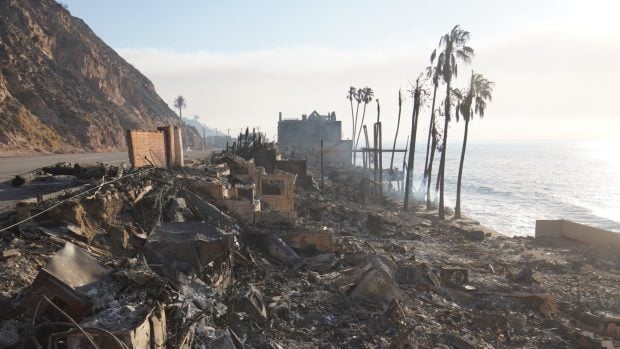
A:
208, 131
62, 89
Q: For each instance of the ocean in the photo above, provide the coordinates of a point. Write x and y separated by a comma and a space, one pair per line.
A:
507, 186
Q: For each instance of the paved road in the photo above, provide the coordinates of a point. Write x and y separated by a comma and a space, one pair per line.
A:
13, 165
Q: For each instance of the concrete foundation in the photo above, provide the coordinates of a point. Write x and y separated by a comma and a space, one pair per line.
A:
578, 232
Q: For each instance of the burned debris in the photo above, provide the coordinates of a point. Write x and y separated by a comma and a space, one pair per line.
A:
244, 250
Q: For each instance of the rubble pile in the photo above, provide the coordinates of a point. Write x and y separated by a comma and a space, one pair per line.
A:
232, 252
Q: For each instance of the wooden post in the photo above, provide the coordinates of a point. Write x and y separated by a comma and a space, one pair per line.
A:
378, 148
366, 154
364, 159
400, 106
380, 163
322, 174
404, 164
374, 152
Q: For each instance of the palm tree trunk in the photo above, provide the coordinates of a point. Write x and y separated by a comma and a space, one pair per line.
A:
430, 174
438, 177
359, 131
414, 129
357, 111
430, 131
404, 172
457, 209
400, 105
442, 167
352, 122
410, 163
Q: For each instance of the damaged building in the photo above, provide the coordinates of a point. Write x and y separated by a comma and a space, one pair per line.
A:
305, 135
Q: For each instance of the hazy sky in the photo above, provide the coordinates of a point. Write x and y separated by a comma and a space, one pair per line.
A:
238, 63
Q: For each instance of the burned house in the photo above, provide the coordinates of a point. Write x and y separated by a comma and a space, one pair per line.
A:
308, 131
305, 135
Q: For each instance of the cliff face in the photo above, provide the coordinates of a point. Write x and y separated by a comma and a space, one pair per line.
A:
63, 89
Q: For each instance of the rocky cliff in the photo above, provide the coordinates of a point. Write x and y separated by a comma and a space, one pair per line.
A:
63, 89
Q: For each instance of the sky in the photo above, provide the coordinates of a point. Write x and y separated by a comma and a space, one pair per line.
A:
238, 63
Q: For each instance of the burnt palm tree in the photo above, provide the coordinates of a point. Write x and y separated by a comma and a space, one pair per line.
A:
433, 72
417, 95
400, 107
351, 95
455, 97
364, 95
474, 102
435, 137
180, 103
454, 49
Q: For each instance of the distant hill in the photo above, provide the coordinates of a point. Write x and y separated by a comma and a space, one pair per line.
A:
199, 126
62, 89
213, 137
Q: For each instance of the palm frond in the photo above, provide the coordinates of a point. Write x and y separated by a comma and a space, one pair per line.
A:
456, 93
463, 56
351, 93
444, 40
368, 95
429, 71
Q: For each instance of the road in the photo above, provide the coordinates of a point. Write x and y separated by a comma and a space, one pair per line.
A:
13, 165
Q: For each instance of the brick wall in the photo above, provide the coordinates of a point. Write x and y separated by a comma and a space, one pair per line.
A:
145, 145
285, 202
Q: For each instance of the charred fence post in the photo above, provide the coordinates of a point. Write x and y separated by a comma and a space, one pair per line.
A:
322, 174
404, 172
380, 162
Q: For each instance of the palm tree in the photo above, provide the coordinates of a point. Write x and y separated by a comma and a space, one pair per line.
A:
417, 102
454, 49
351, 96
435, 135
434, 74
455, 97
357, 95
365, 95
180, 103
474, 102
400, 105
